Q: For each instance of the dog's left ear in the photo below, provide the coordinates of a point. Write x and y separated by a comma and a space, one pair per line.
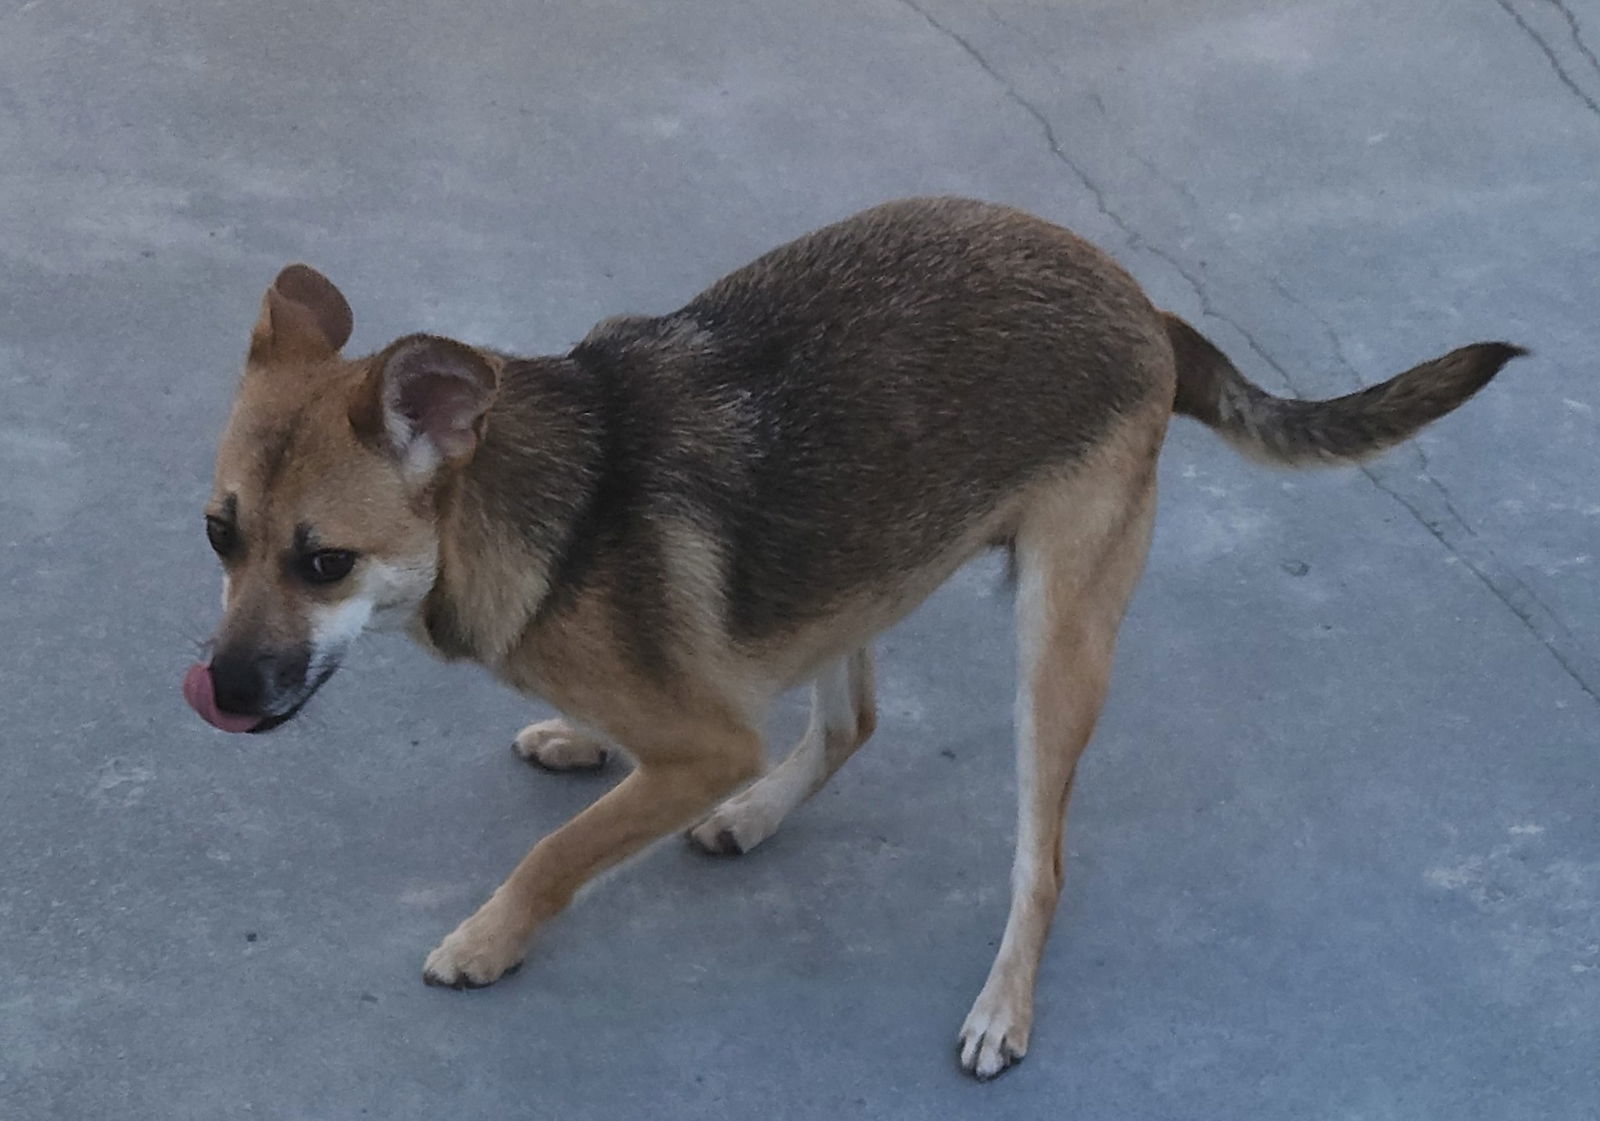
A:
425, 401
303, 315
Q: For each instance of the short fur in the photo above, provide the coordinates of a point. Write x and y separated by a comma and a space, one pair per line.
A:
662, 530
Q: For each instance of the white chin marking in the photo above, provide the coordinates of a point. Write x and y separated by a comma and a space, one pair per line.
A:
388, 596
336, 627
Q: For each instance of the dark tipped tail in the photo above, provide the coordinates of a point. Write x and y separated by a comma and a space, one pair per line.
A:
1342, 430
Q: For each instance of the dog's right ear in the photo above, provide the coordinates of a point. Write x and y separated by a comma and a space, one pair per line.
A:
424, 402
302, 316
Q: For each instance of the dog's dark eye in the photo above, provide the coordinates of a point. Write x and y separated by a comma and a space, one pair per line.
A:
327, 566
223, 536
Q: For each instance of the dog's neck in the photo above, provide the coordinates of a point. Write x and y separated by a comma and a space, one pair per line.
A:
513, 518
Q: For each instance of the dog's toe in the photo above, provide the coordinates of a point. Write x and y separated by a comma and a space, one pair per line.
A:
985, 1057
991, 1042
735, 827
474, 955
555, 745
595, 762
443, 975
716, 840
727, 844
463, 982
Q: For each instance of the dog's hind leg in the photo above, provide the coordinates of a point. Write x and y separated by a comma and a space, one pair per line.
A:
561, 745
1079, 555
843, 714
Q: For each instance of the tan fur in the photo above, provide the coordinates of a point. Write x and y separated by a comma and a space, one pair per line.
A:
285, 442
1081, 546
843, 717
599, 529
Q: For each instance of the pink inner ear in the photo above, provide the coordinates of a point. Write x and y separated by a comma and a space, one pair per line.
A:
441, 407
433, 389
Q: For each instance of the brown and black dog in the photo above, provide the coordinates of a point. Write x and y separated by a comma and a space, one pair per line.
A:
688, 514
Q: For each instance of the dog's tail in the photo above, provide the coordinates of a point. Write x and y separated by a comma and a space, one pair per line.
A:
1342, 430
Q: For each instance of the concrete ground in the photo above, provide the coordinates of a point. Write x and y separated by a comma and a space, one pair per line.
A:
1335, 853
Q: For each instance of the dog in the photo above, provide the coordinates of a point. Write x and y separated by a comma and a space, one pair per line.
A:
688, 514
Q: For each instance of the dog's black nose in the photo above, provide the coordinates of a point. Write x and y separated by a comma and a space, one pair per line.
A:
253, 682
239, 681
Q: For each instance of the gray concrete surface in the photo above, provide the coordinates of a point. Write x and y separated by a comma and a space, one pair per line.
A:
1335, 853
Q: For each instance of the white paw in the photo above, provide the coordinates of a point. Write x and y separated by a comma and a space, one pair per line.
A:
477, 953
994, 1037
558, 746
735, 827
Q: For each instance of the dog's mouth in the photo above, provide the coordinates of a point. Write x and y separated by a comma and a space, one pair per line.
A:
199, 690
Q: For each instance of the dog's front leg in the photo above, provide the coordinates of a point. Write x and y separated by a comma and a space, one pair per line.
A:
671, 789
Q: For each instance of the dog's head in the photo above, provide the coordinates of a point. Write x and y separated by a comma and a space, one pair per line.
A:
324, 508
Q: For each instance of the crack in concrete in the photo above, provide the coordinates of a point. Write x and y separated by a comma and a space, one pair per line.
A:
1176, 186
1131, 236
1458, 538
1519, 599
1033, 111
1577, 35
1549, 53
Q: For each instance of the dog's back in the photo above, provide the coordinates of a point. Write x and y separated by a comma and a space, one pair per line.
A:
855, 404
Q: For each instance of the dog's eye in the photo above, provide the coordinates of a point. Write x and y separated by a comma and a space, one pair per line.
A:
223, 536
327, 566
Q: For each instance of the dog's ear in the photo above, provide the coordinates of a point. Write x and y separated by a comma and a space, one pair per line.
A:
425, 401
302, 315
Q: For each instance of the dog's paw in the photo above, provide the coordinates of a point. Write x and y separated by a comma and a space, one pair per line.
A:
994, 1037
733, 829
477, 953
556, 745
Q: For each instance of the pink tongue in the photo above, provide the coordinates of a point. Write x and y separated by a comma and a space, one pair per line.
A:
201, 694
